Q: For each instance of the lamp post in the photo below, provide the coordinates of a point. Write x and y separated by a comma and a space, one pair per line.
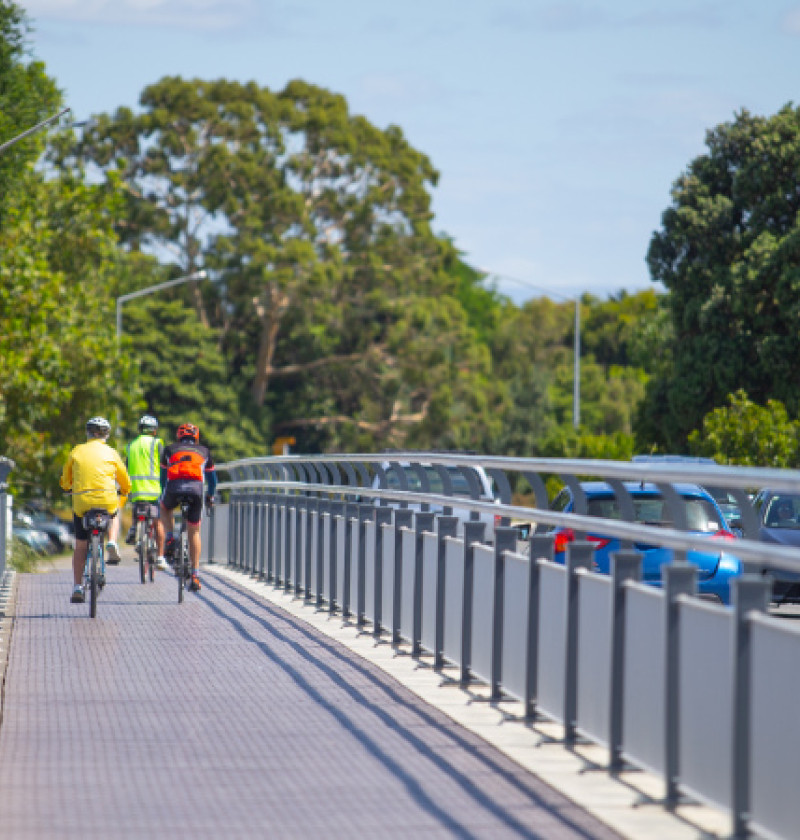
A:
576, 385
33, 129
197, 275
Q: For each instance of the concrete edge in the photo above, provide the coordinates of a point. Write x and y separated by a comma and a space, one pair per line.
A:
629, 803
8, 601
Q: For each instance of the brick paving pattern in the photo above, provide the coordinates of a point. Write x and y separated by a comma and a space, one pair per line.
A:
225, 717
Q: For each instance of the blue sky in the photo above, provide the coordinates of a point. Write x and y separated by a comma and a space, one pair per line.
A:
557, 128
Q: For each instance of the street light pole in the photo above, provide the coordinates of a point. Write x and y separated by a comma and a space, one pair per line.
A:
35, 128
576, 386
197, 275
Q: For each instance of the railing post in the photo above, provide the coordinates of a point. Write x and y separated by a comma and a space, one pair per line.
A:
302, 508
751, 593
350, 513
270, 544
505, 539
447, 527
383, 516
338, 511
6, 465
312, 512
365, 513
541, 548
324, 507
580, 557
423, 523
402, 519
209, 547
625, 566
679, 579
473, 533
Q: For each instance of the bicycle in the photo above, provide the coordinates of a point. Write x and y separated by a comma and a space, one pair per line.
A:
145, 516
182, 562
96, 522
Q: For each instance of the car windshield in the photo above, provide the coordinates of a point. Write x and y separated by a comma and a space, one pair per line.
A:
651, 509
781, 511
457, 477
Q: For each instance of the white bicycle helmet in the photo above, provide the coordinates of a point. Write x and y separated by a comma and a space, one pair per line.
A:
98, 427
148, 423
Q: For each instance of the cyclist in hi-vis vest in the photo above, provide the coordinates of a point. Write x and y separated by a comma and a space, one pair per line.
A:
186, 464
143, 460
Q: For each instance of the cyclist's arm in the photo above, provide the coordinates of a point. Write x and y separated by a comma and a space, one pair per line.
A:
65, 481
211, 482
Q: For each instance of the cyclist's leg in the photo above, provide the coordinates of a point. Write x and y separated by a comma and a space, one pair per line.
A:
111, 538
79, 553
194, 545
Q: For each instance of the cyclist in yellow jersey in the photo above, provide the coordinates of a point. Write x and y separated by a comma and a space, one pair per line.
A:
143, 459
93, 472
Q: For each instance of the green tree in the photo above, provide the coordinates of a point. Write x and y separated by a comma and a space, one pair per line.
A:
748, 434
58, 356
728, 251
316, 226
27, 96
184, 378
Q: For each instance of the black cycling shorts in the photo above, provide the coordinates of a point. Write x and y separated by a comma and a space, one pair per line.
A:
80, 532
170, 499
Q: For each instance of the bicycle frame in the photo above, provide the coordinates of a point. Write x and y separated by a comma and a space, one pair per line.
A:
145, 522
183, 563
96, 522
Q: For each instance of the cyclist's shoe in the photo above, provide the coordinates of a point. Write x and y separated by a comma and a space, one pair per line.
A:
194, 585
131, 538
161, 564
113, 554
77, 596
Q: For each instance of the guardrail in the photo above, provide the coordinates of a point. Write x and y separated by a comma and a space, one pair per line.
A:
703, 694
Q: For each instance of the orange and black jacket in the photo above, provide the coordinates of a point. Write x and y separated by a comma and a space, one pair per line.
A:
188, 461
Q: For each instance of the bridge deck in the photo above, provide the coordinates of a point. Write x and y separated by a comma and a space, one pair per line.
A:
227, 716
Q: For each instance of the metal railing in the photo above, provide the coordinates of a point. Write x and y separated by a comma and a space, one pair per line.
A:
703, 694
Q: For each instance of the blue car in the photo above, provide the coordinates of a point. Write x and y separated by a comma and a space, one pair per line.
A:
715, 568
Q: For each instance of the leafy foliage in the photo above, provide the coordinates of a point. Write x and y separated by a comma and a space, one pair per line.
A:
729, 253
58, 356
748, 434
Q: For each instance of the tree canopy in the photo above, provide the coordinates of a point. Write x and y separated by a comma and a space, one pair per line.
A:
728, 251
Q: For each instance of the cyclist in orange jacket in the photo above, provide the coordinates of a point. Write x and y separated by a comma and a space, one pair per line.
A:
186, 464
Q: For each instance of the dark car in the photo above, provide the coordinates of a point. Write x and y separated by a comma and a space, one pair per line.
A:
716, 567
779, 523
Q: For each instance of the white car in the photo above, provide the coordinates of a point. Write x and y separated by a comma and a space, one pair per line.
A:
459, 480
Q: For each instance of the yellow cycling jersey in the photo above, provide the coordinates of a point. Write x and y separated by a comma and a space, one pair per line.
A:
92, 472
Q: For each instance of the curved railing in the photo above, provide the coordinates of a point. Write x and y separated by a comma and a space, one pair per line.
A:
701, 693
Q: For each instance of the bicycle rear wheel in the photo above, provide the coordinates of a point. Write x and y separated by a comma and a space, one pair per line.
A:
93, 575
152, 552
183, 562
141, 547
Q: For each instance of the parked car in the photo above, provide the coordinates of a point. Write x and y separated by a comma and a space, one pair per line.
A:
779, 523
56, 529
716, 567
31, 537
725, 500
459, 481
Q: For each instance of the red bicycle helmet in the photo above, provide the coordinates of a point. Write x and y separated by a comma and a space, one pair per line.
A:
188, 430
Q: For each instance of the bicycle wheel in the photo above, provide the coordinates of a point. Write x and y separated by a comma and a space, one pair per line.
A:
183, 562
152, 552
93, 576
141, 547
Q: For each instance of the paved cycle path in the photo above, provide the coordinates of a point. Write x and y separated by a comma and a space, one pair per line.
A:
229, 717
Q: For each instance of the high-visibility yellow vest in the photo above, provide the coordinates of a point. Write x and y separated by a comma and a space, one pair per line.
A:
144, 458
